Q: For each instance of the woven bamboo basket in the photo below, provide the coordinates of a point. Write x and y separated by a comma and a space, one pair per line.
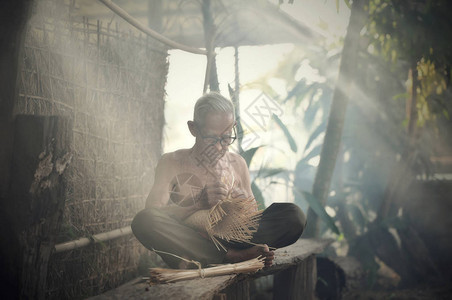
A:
233, 219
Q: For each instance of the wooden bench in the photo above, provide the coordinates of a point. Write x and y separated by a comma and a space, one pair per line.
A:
294, 270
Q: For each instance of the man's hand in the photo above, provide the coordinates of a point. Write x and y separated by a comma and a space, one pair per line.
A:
213, 193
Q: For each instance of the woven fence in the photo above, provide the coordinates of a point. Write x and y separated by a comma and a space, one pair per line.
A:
111, 84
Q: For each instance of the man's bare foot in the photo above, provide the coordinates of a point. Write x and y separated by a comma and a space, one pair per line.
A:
238, 255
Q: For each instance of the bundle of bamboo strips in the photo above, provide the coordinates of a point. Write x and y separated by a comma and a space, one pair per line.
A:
161, 275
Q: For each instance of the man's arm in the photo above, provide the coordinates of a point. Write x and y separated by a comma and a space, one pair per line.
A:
244, 174
159, 195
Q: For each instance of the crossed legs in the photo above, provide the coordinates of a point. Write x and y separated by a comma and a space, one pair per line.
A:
281, 224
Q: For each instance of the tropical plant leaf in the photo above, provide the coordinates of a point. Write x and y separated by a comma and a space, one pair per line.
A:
314, 152
307, 92
290, 139
402, 96
321, 128
258, 195
347, 2
248, 154
303, 167
268, 172
310, 113
300, 88
319, 210
357, 215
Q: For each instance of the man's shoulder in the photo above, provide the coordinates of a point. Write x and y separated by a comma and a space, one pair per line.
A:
175, 156
233, 155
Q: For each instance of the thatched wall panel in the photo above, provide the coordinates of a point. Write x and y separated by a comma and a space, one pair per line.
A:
111, 84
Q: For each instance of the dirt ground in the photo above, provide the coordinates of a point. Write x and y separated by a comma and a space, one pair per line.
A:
419, 293
387, 283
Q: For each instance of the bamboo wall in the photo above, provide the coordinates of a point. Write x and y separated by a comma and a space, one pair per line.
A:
111, 84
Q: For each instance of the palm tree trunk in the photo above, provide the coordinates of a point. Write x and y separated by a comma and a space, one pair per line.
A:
333, 135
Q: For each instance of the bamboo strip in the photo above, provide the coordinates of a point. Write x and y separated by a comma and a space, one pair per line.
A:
97, 238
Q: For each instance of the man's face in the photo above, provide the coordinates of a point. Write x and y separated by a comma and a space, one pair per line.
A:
217, 126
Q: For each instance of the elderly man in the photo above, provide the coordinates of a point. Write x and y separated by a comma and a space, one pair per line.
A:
189, 180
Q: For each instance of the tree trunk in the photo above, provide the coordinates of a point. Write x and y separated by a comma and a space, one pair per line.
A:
155, 15
333, 135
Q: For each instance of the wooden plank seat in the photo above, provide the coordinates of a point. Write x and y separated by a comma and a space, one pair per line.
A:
294, 272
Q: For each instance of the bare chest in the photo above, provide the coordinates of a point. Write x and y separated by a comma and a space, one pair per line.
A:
192, 175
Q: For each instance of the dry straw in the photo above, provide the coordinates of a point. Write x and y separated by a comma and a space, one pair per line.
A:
160, 275
232, 219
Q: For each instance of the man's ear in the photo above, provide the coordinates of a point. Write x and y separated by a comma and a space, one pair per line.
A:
192, 128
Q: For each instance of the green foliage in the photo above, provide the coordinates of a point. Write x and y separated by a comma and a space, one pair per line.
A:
313, 153
397, 34
411, 30
269, 172
318, 209
316, 97
290, 139
315, 134
249, 154
258, 195
417, 32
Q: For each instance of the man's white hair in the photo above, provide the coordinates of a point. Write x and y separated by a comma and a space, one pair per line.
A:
211, 102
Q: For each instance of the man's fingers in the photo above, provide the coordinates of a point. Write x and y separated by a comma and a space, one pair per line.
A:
220, 191
217, 187
220, 185
268, 262
269, 256
217, 193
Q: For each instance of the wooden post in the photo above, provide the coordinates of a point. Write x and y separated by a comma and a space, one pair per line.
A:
155, 15
35, 203
297, 282
13, 18
238, 291
211, 78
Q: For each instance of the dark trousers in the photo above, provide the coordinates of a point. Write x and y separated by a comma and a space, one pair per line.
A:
281, 225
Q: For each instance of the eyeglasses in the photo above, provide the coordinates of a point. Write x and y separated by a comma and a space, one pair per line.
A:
224, 140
